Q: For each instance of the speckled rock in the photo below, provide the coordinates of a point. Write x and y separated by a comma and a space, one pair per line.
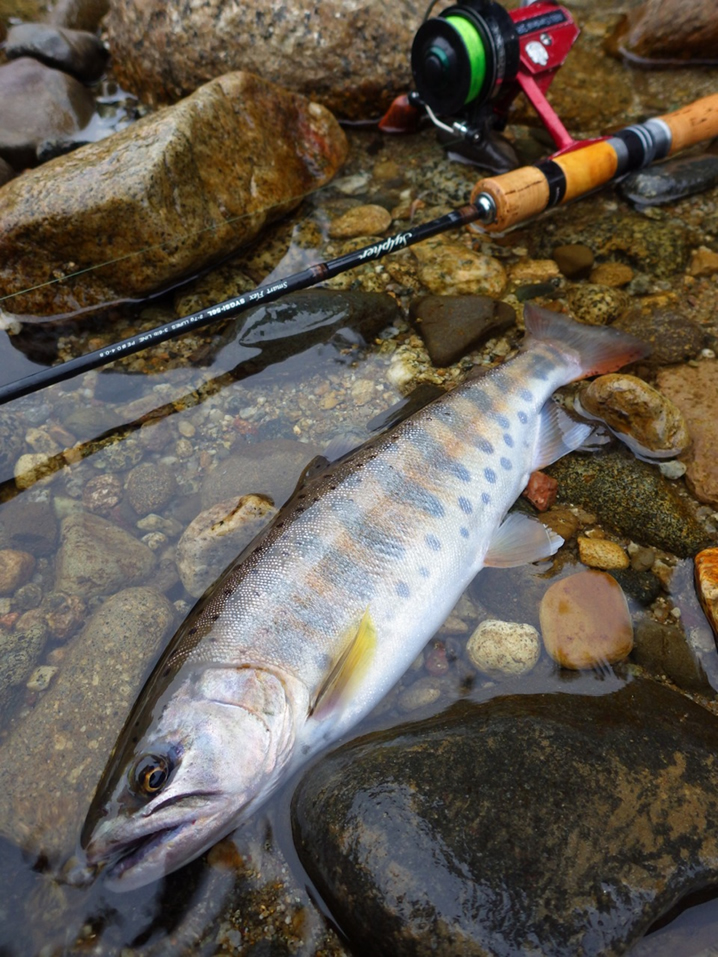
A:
451, 326
502, 649
360, 221
201, 179
646, 420
15, 569
597, 305
669, 32
98, 558
52, 760
602, 553
20, 649
64, 614
61, 106
449, 268
631, 497
585, 622
265, 468
102, 493
694, 389
150, 487
541, 491
410, 866
574, 260
671, 336
350, 55
76, 52
217, 536
663, 650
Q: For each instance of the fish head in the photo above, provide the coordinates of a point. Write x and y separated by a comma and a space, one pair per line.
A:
183, 775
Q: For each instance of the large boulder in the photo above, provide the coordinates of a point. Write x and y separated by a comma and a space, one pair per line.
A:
350, 55
191, 182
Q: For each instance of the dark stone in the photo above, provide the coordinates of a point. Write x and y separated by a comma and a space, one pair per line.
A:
37, 104
671, 181
6, 172
531, 824
633, 498
78, 14
663, 650
575, 260
76, 52
451, 326
29, 526
671, 336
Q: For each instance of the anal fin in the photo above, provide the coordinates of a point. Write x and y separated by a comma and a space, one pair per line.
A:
348, 670
520, 540
558, 434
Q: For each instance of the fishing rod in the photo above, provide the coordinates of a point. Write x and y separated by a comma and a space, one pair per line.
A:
496, 204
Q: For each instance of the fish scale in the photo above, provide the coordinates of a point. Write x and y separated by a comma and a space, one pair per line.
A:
305, 633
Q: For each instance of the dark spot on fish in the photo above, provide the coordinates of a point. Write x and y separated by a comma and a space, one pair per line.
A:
464, 532
465, 505
433, 542
214, 617
503, 421
523, 418
193, 630
525, 395
227, 593
490, 475
485, 498
483, 445
480, 399
413, 494
460, 471
279, 525
505, 463
402, 590
305, 749
424, 571
508, 440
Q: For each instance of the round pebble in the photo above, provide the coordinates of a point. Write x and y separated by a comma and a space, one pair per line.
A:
574, 260
600, 553
585, 621
504, 648
102, 493
419, 695
15, 569
369, 220
612, 274
597, 305
150, 487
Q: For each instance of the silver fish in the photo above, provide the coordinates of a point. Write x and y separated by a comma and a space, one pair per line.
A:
300, 638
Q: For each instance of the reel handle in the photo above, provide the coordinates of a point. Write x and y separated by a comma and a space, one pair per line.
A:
520, 194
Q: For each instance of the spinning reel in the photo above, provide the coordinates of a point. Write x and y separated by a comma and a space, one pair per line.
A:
472, 60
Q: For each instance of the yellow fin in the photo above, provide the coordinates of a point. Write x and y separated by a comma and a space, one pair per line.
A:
349, 669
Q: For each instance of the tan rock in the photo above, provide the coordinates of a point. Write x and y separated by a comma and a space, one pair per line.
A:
704, 262
585, 621
706, 569
15, 569
450, 268
612, 274
669, 31
361, 221
534, 270
194, 181
601, 553
504, 648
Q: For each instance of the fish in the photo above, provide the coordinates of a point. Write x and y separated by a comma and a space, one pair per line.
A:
308, 630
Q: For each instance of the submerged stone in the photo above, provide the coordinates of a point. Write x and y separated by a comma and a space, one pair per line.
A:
706, 569
531, 824
73, 51
451, 326
195, 182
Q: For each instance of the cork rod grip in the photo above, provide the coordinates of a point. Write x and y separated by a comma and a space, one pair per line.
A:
517, 195
693, 123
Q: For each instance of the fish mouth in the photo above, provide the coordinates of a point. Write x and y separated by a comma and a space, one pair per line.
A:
138, 862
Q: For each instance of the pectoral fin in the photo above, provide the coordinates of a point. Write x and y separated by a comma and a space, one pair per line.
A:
349, 669
520, 540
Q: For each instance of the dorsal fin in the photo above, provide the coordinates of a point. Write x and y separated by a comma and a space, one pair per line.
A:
348, 670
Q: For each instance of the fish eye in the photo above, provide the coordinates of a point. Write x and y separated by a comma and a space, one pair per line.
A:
150, 774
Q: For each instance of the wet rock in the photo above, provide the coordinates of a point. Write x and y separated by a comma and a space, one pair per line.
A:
672, 337
585, 622
668, 182
574, 260
597, 305
694, 389
20, 649
451, 326
102, 493
78, 14
501, 649
166, 176
15, 569
668, 32
602, 553
537, 271
541, 491
61, 106
29, 526
98, 558
75, 52
706, 571
271, 469
611, 274
12, 441
351, 56
631, 497
6, 172
411, 866
150, 487
704, 262
515, 593
52, 760
360, 221
649, 423
449, 268
33, 467
663, 650
217, 536
64, 614
421, 694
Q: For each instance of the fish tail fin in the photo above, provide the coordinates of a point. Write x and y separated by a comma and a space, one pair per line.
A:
598, 349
